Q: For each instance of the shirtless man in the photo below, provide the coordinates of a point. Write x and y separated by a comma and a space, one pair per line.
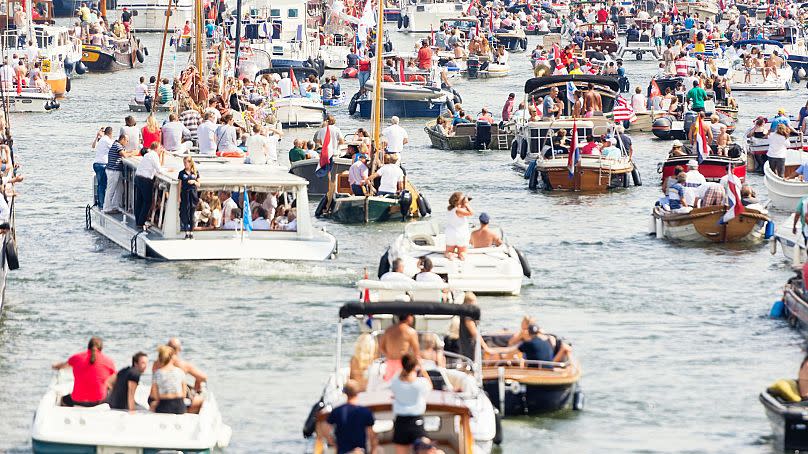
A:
484, 237
398, 340
773, 63
695, 126
187, 367
592, 101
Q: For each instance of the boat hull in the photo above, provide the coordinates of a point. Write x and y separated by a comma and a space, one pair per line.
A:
317, 185
98, 60
783, 194
704, 225
586, 179
524, 399
403, 108
30, 102
789, 423
351, 210
299, 112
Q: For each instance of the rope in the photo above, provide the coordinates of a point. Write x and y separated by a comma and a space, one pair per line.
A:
88, 223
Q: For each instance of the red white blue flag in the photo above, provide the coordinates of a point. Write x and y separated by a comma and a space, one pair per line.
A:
702, 147
324, 165
623, 111
575, 153
732, 187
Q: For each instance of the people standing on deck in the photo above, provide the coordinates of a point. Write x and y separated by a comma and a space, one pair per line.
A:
132, 133
593, 103
392, 177
457, 229
778, 148
396, 137
364, 71
696, 96
91, 370
191, 119
507, 109
147, 169
103, 141
350, 425
124, 384
114, 169
189, 196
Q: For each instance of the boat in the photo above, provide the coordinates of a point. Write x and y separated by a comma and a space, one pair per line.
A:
785, 194
519, 387
606, 86
756, 80
787, 416
120, 54
347, 208
9, 260
496, 270
713, 167
472, 136
164, 240
461, 417
424, 16
596, 40
296, 111
756, 149
791, 244
59, 429
676, 125
514, 40
405, 100
339, 41
640, 45
149, 16
307, 168
702, 9
703, 224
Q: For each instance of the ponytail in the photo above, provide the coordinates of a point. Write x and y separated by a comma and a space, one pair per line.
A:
95, 345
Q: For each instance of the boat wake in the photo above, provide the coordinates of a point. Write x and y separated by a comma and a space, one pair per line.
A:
294, 271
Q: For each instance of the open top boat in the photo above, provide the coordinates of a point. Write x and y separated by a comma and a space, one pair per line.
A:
490, 270
296, 110
713, 167
472, 136
791, 244
423, 16
784, 193
705, 224
754, 79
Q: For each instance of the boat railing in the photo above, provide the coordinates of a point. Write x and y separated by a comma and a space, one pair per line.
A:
526, 363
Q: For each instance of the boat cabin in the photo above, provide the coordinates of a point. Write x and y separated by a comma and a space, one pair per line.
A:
539, 87
41, 14
539, 134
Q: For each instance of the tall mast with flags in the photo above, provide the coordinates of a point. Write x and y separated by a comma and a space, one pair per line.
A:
378, 100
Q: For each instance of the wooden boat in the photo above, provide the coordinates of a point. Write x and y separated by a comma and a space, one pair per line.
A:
124, 54
347, 208
704, 224
520, 387
513, 40
465, 137
307, 168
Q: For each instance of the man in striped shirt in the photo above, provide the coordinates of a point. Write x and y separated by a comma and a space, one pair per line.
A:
191, 119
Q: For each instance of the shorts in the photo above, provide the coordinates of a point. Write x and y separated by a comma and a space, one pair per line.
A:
173, 406
67, 401
408, 429
658, 42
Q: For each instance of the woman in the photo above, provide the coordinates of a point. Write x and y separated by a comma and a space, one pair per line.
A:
189, 196
638, 101
409, 403
364, 354
151, 132
168, 386
91, 370
759, 130
432, 349
778, 147
440, 126
457, 227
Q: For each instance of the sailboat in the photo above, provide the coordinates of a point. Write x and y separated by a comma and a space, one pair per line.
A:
340, 204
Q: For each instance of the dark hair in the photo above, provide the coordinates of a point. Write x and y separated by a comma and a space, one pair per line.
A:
426, 263
408, 363
130, 120
136, 357
95, 345
108, 130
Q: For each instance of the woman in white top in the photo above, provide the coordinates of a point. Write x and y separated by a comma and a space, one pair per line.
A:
168, 386
638, 101
778, 147
457, 227
409, 403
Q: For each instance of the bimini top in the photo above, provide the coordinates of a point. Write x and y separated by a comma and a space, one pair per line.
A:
398, 308
579, 80
757, 42
301, 72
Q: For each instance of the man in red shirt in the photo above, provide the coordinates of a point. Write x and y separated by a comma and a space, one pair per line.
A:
591, 146
603, 15
424, 56
91, 369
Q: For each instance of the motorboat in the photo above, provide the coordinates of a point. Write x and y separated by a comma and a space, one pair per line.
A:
407, 91
472, 136
670, 125
640, 45
757, 147
520, 387
424, 16
791, 244
402, 99
9, 260
61, 429
787, 415
459, 416
514, 39
30, 100
603, 38
296, 110
163, 240
703, 224
489, 270
307, 168
606, 86
150, 15
701, 9
785, 194
713, 167
745, 79
118, 54
339, 41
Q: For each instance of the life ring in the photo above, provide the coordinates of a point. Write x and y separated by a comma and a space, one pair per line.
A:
421, 206
635, 175
514, 148
230, 154
350, 73
387, 78
10, 250
406, 21
352, 104
523, 148
384, 264
533, 179
523, 261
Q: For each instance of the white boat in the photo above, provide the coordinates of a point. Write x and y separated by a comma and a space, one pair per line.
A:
491, 270
30, 100
165, 241
495, 70
8, 247
459, 386
791, 245
784, 194
756, 82
339, 40
406, 91
423, 16
299, 111
150, 15
296, 40
99, 429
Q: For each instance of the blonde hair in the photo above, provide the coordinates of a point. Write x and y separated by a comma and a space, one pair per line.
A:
782, 130
191, 160
365, 350
151, 124
164, 355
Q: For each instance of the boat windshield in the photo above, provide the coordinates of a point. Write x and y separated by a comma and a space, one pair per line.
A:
268, 208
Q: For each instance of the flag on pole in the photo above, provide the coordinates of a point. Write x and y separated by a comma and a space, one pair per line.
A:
574, 154
556, 51
732, 187
702, 147
571, 92
324, 165
471, 5
431, 35
655, 91
246, 216
623, 111
19, 84
491, 20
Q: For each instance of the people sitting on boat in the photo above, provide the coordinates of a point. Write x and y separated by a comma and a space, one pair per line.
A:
298, 153
398, 340
123, 384
396, 272
432, 349
425, 55
175, 136
460, 118
694, 177
591, 147
781, 119
426, 274
483, 236
441, 128
457, 232
759, 130
676, 200
233, 220
485, 116
168, 389
358, 175
91, 370
392, 177
773, 65
609, 148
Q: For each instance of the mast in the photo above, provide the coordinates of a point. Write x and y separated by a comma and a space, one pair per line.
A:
198, 19
238, 38
103, 6
162, 50
376, 116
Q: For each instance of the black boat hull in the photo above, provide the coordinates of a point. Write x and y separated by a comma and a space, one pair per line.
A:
521, 399
789, 424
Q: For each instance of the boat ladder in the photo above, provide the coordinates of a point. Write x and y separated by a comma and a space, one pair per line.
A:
502, 141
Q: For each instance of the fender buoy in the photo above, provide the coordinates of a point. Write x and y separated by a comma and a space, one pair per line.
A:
523, 148
638, 55
69, 66
320, 207
406, 21
427, 206
635, 175
578, 400
140, 57
48, 106
457, 98
523, 261
530, 168
388, 46
523, 43
229, 154
421, 206
350, 73
498, 433
450, 106
384, 264
387, 78
311, 421
11, 254
146, 51
81, 68
67, 84
533, 179
352, 104
514, 148
400, 22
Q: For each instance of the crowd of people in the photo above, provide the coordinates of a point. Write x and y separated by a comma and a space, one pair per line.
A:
687, 189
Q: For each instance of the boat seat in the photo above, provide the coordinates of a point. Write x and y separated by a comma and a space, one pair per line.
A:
423, 239
343, 186
466, 130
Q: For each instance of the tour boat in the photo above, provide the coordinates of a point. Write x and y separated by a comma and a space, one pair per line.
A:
164, 240
784, 194
756, 80
99, 429
791, 244
472, 136
459, 416
489, 270
423, 16
121, 54
644, 44
520, 387
150, 15
705, 224
297, 110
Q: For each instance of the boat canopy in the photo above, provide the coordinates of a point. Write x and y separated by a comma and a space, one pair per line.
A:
757, 42
399, 308
301, 72
538, 83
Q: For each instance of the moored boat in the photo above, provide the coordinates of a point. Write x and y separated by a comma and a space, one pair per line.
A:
423, 16
30, 100
713, 167
472, 136
784, 194
790, 243
150, 15
296, 110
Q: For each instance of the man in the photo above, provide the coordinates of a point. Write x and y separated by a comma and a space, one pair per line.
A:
396, 272
694, 128
337, 87
103, 141
114, 193
696, 96
91, 370
484, 236
297, 153
352, 58
609, 148
175, 136
191, 119
593, 103
507, 109
392, 177
364, 71
538, 347
124, 383
694, 177
591, 146
260, 221
285, 86
358, 175
550, 105
148, 167
781, 118
126, 19
799, 216
397, 341
206, 135
396, 137
426, 274
773, 64
327, 89
232, 219
132, 132
711, 194
141, 90
351, 425
165, 92
424, 56
336, 139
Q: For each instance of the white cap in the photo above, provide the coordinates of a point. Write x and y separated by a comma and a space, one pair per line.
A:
677, 143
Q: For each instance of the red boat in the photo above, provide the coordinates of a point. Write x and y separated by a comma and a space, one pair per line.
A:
713, 168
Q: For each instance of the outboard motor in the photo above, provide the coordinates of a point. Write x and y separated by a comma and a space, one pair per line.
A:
689, 119
404, 202
661, 128
473, 65
483, 137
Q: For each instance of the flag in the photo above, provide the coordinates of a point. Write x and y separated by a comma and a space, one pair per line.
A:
19, 84
702, 147
401, 77
623, 111
324, 165
556, 52
471, 5
431, 35
491, 20
675, 10
571, 92
477, 29
246, 216
364, 296
655, 91
574, 154
295, 86
732, 187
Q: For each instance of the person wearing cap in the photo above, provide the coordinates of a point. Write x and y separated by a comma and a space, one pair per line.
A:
609, 148
677, 149
537, 347
396, 137
694, 177
484, 236
780, 119
358, 174
350, 426
507, 109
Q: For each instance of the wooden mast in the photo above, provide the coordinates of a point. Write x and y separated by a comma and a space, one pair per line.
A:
378, 99
199, 19
162, 53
